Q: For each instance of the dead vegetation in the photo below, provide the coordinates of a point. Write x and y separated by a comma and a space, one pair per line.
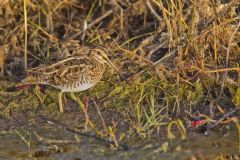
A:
180, 58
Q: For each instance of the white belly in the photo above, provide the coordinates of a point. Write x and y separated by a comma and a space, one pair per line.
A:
78, 88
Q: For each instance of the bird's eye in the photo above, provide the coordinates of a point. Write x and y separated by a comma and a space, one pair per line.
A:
71, 51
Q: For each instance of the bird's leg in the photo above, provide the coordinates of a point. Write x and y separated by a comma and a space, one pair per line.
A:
79, 102
38, 92
86, 102
42, 89
64, 99
60, 103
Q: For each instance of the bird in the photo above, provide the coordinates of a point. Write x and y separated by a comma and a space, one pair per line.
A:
74, 73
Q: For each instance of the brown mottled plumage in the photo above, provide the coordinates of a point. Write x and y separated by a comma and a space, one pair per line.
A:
75, 73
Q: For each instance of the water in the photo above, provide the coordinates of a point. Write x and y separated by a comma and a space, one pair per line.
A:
60, 144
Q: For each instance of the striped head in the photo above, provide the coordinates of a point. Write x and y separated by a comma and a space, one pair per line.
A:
100, 54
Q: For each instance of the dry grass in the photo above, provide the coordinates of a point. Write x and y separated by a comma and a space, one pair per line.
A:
179, 56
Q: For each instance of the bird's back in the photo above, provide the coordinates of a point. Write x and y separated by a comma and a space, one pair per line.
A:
72, 74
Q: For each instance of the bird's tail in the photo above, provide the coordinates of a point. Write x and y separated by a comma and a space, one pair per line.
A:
17, 88
24, 84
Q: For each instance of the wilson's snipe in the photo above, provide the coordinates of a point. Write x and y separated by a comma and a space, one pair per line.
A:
75, 73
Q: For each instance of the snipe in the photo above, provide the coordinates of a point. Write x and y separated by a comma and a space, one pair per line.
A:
75, 73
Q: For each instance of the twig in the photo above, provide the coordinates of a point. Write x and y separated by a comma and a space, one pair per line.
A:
100, 115
222, 13
222, 70
227, 58
51, 141
124, 147
99, 19
168, 56
153, 11
26, 32
105, 126
227, 115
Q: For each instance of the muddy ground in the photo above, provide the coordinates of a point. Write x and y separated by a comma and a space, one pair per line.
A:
24, 136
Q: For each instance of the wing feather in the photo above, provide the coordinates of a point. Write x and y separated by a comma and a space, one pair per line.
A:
64, 71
